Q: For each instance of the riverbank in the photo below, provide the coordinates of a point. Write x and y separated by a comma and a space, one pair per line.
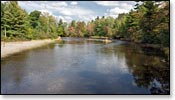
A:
9, 48
102, 40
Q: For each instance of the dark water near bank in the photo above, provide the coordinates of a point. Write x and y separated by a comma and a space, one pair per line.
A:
79, 66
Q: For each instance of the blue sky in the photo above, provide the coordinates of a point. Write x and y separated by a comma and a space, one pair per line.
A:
78, 10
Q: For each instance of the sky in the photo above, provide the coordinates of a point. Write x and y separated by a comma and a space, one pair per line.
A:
78, 10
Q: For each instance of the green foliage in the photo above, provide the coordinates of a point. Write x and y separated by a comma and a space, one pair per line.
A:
80, 29
146, 23
34, 18
13, 20
17, 24
60, 28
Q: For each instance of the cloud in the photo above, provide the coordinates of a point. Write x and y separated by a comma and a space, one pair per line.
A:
60, 17
116, 11
65, 12
30, 5
118, 7
87, 18
107, 3
76, 11
73, 10
68, 19
126, 6
58, 9
59, 4
121, 4
45, 11
73, 3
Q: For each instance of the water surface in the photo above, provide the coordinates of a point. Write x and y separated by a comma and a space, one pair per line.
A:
79, 66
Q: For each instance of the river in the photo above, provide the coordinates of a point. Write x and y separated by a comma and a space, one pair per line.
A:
81, 66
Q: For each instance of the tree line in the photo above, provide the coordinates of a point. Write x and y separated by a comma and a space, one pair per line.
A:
148, 23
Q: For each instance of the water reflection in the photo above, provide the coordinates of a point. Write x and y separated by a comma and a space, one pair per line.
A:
16, 72
146, 66
148, 70
78, 66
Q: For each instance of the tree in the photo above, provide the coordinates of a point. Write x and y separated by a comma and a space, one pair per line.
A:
90, 29
80, 29
60, 28
15, 20
3, 28
71, 29
34, 18
148, 21
161, 29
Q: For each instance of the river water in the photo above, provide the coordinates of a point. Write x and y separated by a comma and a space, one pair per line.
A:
81, 66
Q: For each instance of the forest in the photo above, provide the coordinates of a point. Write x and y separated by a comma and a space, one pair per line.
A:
147, 23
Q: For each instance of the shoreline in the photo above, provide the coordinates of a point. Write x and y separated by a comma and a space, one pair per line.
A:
102, 40
10, 48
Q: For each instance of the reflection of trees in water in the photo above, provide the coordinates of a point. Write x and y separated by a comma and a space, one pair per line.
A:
148, 69
48, 46
61, 43
51, 46
155, 79
14, 64
94, 42
146, 66
74, 41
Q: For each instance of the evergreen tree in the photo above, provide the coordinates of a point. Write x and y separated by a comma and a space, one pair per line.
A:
15, 20
34, 18
60, 28
148, 21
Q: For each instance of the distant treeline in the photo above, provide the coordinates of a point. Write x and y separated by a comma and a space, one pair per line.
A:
148, 23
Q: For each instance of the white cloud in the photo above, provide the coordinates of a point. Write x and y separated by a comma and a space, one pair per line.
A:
115, 11
67, 19
59, 4
60, 8
65, 12
69, 11
63, 9
122, 4
73, 10
30, 5
73, 3
87, 18
126, 6
119, 7
45, 11
60, 17
107, 3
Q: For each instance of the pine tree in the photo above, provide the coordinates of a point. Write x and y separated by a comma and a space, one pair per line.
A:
148, 21
34, 18
15, 20
60, 28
